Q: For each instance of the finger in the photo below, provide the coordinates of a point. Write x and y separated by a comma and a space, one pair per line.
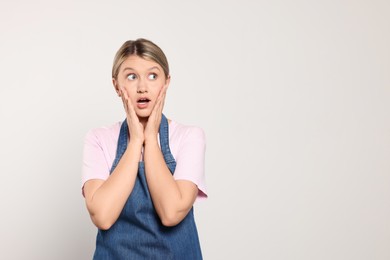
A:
124, 101
130, 107
162, 90
165, 88
122, 90
162, 101
154, 115
127, 99
161, 107
158, 106
161, 95
125, 95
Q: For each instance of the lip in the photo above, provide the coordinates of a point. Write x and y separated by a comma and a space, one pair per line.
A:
143, 105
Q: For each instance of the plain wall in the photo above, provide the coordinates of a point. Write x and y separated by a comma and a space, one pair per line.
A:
293, 97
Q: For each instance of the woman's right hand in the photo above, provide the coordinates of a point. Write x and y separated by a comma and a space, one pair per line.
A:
136, 129
105, 199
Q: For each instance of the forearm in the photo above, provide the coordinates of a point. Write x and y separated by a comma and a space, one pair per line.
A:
106, 201
171, 201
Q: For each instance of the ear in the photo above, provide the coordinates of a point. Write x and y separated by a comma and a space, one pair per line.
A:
116, 86
168, 80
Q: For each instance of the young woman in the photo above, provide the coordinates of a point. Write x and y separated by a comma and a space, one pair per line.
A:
141, 177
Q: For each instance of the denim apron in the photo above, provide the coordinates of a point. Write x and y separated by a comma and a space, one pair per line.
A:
138, 232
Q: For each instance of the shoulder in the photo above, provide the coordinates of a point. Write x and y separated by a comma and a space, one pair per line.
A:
103, 134
186, 133
99, 152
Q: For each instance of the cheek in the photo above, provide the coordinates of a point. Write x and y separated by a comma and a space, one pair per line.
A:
130, 89
162, 85
157, 90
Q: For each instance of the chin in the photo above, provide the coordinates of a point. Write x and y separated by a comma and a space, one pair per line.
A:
143, 114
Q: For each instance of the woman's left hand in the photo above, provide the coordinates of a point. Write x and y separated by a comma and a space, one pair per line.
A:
154, 120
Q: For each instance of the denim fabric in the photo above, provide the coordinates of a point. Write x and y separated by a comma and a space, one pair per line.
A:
138, 232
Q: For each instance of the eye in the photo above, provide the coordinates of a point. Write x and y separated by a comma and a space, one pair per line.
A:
131, 76
152, 76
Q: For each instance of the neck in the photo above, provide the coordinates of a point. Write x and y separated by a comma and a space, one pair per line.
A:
143, 121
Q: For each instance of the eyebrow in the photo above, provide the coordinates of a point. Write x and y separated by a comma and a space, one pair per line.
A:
130, 68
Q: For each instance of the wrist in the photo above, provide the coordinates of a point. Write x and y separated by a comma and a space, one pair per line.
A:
151, 140
137, 142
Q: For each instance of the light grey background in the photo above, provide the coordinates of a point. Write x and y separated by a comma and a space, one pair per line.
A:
293, 96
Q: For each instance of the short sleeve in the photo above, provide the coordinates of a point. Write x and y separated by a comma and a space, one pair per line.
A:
190, 159
95, 164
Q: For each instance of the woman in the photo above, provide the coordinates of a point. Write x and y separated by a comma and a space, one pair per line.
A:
142, 177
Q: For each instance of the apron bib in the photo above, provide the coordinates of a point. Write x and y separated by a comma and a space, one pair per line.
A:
138, 232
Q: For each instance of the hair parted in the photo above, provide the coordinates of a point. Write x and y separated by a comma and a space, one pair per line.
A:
142, 48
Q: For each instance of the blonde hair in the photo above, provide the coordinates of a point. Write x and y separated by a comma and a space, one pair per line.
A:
142, 48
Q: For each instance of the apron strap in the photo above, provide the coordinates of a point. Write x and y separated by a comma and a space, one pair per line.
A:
164, 144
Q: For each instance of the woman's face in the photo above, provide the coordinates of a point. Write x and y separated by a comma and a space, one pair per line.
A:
143, 80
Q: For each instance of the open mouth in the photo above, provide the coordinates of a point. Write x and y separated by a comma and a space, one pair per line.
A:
143, 100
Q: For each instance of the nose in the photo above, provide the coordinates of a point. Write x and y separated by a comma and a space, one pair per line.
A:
141, 86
